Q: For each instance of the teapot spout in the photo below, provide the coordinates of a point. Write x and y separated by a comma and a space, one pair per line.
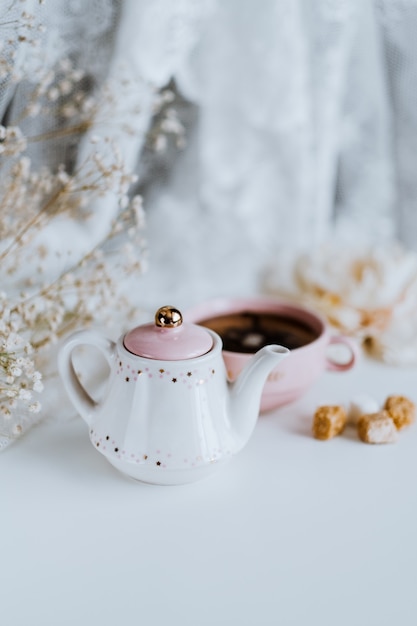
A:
246, 390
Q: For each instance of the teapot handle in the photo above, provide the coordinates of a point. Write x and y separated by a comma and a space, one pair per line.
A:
78, 395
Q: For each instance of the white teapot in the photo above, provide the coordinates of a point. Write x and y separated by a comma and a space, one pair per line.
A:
169, 415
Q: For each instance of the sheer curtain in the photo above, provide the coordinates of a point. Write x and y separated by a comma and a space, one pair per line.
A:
301, 129
300, 121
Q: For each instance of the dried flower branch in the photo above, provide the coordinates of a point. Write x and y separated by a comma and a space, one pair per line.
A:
43, 309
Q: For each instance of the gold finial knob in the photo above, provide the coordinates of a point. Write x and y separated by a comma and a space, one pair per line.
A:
168, 317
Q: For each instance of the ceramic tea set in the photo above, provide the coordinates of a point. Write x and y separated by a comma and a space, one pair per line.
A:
169, 414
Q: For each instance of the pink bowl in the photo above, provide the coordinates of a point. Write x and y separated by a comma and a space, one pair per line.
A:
297, 373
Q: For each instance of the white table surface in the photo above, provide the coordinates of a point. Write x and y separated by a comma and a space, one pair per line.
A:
293, 531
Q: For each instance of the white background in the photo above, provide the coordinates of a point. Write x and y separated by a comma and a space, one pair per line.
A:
292, 532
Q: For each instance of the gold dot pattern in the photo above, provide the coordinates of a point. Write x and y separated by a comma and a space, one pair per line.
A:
159, 458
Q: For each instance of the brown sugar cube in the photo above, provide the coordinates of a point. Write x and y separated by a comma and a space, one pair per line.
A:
377, 428
329, 421
401, 409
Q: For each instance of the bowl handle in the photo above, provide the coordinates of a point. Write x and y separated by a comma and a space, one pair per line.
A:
351, 344
78, 395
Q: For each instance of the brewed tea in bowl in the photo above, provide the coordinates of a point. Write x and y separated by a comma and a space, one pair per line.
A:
246, 324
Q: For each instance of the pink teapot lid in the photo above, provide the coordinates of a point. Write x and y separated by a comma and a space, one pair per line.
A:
168, 339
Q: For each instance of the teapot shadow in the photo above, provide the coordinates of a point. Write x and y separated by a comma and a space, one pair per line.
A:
71, 453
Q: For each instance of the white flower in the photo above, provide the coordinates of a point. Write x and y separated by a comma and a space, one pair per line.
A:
17, 430
369, 292
5, 411
160, 143
12, 342
65, 87
53, 94
25, 394
38, 386
33, 109
76, 75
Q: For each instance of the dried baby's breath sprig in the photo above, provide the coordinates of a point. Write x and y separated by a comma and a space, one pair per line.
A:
86, 292
90, 290
20, 29
40, 307
20, 382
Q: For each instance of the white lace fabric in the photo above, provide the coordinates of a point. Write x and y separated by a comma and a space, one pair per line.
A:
301, 127
305, 132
